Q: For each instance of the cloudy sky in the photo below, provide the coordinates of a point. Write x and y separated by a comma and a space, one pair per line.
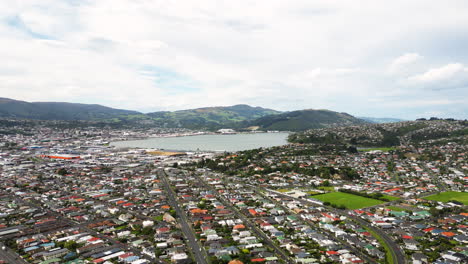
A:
404, 59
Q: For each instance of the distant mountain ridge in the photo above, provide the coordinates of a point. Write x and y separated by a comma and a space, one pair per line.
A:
381, 120
210, 117
241, 117
58, 110
306, 119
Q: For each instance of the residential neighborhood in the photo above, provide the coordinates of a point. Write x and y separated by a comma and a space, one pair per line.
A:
69, 196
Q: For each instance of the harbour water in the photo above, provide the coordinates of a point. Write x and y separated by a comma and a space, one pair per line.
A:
232, 142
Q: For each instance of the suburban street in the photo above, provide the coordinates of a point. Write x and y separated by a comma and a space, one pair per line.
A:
9, 256
349, 247
395, 250
198, 252
249, 223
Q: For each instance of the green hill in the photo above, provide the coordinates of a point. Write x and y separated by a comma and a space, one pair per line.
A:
210, 117
305, 119
10, 108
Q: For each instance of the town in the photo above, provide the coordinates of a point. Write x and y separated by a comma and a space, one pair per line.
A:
69, 196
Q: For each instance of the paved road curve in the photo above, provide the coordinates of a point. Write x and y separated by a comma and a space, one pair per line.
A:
323, 232
395, 250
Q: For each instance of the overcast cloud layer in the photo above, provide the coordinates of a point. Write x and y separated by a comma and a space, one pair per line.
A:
404, 59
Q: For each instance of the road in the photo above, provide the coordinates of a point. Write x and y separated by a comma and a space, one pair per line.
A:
198, 251
9, 256
83, 226
395, 250
248, 223
324, 232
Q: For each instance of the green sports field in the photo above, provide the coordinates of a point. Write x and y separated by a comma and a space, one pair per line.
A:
396, 208
447, 196
350, 201
383, 149
390, 198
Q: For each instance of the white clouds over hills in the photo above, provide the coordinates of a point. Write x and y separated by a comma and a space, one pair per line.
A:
154, 55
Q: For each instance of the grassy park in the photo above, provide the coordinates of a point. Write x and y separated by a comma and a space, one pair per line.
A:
383, 149
350, 201
449, 196
390, 198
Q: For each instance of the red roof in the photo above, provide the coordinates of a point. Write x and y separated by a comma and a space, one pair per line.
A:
448, 234
163, 229
429, 229
392, 190
258, 260
100, 195
126, 255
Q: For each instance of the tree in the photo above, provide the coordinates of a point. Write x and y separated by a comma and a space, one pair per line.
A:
352, 149
62, 171
326, 183
434, 212
118, 181
70, 245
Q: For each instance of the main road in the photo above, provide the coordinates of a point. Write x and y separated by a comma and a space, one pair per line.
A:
9, 256
83, 226
247, 222
198, 252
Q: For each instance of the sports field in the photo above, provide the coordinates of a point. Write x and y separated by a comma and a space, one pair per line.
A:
447, 196
390, 198
383, 149
350, 201
396, 209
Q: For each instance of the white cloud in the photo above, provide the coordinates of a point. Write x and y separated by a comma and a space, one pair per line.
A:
453, 75
404, 60
299, 54
443, 73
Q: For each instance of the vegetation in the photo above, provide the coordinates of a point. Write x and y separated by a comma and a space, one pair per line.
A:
305, 119
450, 196
347, 200
383, 149
211, 117
326, 172
58, 111
388, 255
396, 208
376, 196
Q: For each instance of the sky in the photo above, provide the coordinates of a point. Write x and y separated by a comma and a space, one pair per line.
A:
401, 58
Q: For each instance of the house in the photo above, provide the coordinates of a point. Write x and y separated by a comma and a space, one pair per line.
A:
419, 258
461, 238
411, 244
55, 253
